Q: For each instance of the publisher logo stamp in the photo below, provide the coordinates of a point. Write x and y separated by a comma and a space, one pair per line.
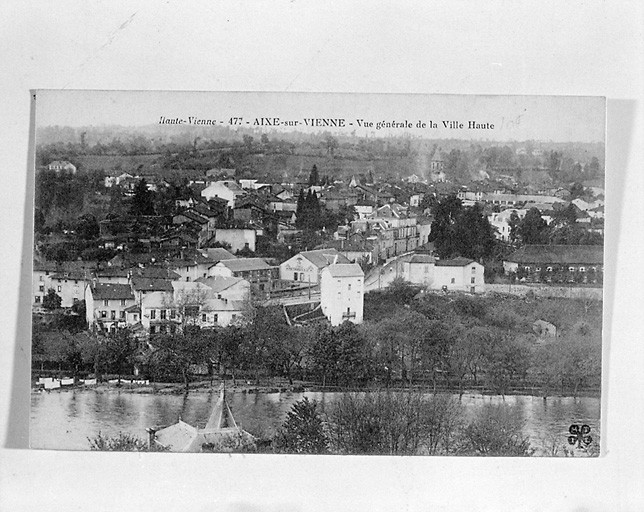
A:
580, 436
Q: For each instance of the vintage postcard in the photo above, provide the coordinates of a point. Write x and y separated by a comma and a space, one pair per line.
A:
318, 273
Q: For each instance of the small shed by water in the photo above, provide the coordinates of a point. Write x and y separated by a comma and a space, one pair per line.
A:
221, 433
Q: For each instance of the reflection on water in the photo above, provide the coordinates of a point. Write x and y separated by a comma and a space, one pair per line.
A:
64, 420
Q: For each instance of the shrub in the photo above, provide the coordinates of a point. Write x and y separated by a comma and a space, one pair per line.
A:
303, 430
496, 431
121, 443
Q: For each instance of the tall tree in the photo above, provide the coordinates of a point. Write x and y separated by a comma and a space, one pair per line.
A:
314, 177
533, 229
446, 211
459, 231
142, 202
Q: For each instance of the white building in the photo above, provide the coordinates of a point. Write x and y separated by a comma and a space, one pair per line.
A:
501, 222
306, 267
106, 305
62, 165
69, 286
458, 274
238, 239
41, 281
342, 293
207, 303
228, 190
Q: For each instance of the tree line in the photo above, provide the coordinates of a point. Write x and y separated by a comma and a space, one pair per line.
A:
440, 342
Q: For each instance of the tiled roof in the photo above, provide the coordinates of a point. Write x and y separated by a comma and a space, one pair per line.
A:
345, 270
216, 254
422, 258
194, 217
151, 285
113, 272
77, 275
244, 264
49, 266
155, 272
323, 257
102, 291
562, 254
454, 262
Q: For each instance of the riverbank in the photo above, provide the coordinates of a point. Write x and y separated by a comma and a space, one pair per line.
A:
297, 387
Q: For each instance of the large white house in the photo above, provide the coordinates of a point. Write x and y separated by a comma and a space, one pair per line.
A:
208, 302
342, 293
458, 274
306, 267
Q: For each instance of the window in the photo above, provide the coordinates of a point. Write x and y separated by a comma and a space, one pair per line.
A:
153, 314
41, 288
294, 276
106, 302
40, 278
113, 315
301, 276
163, 313
103, 314
453, 280
135, 317
582, 269
215, 317
122, 315
152, 329
60, 288
162, 329
37, 298
473, 280
122, 302
173, 314
349, 286
473, 270
571, 269
204, 318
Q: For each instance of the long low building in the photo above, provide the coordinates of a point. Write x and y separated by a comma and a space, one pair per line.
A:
541, 261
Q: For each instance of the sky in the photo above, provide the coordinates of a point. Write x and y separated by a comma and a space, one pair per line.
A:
543, 118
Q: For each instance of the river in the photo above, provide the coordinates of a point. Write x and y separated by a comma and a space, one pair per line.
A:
65, 419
